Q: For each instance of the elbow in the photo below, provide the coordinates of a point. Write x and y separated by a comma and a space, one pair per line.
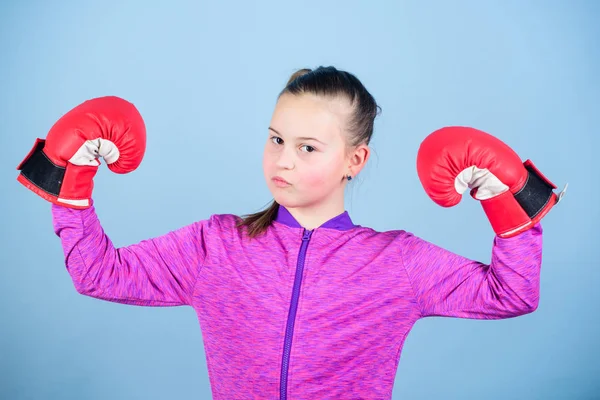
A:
83, 289
530, 304
523, 303
529, 297
534, 297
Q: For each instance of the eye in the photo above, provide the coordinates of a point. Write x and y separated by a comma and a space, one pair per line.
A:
279, 141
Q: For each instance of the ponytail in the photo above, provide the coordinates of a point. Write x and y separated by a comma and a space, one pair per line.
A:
258, 223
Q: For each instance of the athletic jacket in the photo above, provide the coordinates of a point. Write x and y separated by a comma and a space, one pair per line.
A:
296, 313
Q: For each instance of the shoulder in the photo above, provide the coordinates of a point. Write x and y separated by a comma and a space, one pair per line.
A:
366, 236
368, 232
225, 220
223, 223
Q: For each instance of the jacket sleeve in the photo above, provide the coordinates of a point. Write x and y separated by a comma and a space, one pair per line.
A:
156, 272
449, 285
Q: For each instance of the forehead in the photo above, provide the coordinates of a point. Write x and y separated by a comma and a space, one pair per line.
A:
310, 115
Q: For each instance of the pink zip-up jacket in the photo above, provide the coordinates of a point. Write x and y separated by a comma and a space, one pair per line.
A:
296, 313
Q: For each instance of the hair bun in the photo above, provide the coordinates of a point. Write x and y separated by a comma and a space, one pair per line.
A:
298, 74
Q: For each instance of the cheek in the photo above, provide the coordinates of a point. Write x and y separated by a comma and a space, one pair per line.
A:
323, 175
267, 160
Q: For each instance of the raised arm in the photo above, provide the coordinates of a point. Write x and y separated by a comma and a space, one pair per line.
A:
156, 272
447, 284
514, 195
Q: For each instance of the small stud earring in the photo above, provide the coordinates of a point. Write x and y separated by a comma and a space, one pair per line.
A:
348, 177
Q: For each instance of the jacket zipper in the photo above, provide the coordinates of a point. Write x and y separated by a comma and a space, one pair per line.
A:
289, 331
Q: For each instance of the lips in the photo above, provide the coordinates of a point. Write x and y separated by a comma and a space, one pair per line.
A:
280, 181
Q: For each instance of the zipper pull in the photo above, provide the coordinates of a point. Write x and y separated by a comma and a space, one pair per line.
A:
307, 235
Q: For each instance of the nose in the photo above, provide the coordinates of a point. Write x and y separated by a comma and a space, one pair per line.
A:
285, 159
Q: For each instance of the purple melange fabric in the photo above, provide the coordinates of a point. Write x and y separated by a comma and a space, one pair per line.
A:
299, 314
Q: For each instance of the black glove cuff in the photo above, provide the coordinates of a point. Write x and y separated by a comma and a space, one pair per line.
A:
41, 172
537, 192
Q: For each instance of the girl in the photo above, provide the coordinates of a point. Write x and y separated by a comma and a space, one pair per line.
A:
295, 301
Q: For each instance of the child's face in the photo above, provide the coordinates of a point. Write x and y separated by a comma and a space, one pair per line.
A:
306, 146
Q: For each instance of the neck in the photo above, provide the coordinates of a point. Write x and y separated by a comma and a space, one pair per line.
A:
311, 217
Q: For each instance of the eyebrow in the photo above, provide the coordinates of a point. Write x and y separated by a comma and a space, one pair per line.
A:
299, 138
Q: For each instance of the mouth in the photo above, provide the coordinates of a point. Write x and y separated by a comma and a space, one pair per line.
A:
279, 181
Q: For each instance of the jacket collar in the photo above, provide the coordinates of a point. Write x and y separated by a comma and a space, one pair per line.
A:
342, 222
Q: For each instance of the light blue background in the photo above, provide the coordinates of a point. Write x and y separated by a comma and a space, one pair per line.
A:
205, 76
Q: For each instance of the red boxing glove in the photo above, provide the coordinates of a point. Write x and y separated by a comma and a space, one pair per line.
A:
61, 167
513, 194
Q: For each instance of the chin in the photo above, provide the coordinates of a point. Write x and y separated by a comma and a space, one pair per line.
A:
286, 200
290, 201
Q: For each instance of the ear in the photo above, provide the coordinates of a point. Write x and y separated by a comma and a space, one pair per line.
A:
358, 159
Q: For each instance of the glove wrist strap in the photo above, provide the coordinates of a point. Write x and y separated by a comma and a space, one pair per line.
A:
69, 186
37, 169
512, 213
